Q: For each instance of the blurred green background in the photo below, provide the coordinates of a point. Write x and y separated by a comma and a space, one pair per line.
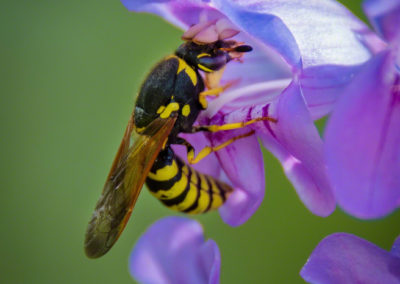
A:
69, 72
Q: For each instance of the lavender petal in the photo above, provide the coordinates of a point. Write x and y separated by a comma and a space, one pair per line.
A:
173, 250
242, 162
362, 142
345, 258
384, 15
295, 141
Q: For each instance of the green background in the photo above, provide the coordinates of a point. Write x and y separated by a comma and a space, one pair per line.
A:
69, 72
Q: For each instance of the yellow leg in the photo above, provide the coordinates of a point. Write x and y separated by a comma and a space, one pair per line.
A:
230, 126
208, 150
213, 92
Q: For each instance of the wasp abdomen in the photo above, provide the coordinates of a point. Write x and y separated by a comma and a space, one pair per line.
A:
182, 188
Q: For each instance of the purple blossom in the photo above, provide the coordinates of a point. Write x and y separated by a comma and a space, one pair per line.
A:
173, 250
362, 136
345, 258
320, 45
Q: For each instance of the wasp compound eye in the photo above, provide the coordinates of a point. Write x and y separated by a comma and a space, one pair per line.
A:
209, 64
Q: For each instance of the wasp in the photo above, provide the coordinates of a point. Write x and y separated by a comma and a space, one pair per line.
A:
169, 102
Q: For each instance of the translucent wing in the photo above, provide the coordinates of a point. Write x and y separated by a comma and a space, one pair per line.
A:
124, 182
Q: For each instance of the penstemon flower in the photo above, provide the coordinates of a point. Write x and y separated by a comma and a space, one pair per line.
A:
320, 46
304, 54
345, 258
173, 250
362, 135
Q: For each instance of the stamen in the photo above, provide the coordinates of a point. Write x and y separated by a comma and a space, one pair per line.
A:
225, 29
231, 95
206, 35
195, 29
210, 31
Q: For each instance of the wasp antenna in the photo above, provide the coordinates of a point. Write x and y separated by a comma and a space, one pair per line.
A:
243, 48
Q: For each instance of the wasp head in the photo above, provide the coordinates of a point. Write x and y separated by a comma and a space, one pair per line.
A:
211, 57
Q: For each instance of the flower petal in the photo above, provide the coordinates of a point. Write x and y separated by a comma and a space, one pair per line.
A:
304, 163
304, 32
210, 260
362, 142
242, 162
295, 141
321, 86
173, 250
345, 258
266, 75
384, 15
265, 27
223, 165
209, 165
183, 14
307, 33
396, 247
318, 32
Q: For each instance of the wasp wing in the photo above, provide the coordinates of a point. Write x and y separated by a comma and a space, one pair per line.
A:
124, 182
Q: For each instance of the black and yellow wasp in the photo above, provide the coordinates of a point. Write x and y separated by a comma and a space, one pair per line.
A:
168, 103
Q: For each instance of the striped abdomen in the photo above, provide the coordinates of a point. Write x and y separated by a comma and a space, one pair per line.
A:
184, 189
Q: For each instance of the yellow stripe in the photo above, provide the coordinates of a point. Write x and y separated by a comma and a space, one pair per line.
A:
165, 173
214, 186
204, 68
204, 183
160, 109
217, 201
203, 55
204, 199
186, 110
191, 195
175, 190
188, 70
140, 129
203, 202
168, 110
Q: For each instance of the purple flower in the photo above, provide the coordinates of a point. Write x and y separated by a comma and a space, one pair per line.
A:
173, 250
362, 135
320, 46
345, 258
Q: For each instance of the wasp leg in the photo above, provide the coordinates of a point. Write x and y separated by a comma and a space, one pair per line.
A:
230, 126
217, 90
214, 91
208, 150
181, 141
